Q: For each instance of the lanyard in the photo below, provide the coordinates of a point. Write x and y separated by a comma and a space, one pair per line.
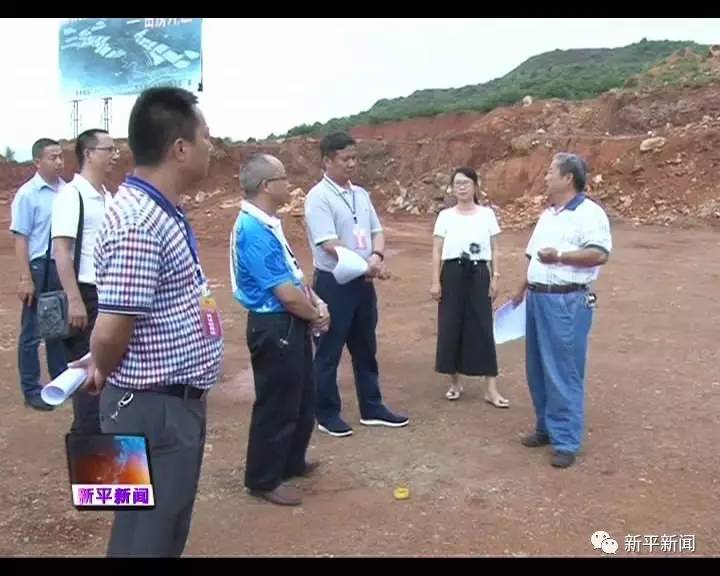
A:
341, 193
280, 238
176, 214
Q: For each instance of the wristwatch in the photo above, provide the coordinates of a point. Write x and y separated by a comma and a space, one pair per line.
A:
378, 254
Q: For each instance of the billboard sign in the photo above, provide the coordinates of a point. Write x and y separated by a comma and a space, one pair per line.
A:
105, 57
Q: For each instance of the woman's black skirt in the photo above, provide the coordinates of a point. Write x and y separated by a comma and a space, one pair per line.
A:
465, 343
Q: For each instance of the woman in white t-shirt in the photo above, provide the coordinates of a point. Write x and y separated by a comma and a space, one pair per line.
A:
464, 283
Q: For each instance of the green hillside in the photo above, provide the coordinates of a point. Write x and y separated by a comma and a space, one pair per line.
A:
566, 74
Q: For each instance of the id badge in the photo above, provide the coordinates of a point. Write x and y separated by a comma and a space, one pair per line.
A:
591, 300
360, 238
212, 329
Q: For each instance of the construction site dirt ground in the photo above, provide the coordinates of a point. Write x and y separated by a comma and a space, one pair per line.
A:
649, 466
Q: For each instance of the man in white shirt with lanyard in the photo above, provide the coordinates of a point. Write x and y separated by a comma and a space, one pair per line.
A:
570, 242
77, 217
339, 213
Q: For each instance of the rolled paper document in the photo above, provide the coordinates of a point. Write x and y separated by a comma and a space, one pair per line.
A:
61, 388
350, 265
509, 322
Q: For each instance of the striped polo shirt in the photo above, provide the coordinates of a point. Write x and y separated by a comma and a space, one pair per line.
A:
144, 267
580, 224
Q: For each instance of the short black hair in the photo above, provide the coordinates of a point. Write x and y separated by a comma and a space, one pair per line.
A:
574, 165
86, 141
333, 143
39, 147
159, 117
472, 175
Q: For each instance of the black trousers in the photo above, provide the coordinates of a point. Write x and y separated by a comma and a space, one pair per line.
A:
283, 415
175, 431
354, 318
466, 340
85, 406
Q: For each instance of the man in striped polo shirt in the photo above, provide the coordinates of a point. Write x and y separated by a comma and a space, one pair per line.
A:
157, 344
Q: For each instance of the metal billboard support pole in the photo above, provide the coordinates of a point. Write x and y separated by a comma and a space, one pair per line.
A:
75, 118
107, 113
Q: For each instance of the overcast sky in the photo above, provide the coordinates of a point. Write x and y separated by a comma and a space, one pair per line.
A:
266, 75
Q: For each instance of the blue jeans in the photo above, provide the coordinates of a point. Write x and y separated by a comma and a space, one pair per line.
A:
29, 340
557, 332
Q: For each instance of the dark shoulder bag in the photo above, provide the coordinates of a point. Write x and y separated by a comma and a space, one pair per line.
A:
52, 307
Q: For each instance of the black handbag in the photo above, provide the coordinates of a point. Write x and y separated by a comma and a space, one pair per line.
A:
52, 307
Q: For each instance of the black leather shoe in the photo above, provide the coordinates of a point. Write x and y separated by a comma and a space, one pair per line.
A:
563, 460
535, 440
38, 404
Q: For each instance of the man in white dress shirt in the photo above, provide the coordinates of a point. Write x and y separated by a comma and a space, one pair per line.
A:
77, 217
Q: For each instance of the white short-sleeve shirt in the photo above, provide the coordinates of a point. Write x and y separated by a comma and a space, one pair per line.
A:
66, 212
466, 234
580, 224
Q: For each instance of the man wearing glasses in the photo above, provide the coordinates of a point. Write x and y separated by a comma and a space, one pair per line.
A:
267, 280
76, 220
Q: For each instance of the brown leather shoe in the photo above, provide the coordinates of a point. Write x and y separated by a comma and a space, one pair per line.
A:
283, 495
309, 470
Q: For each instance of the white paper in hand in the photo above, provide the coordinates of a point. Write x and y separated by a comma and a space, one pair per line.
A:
350, 265
57, 391
509, 322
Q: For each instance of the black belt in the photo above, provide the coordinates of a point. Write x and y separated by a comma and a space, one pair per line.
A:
466, 261
557, 288
270, 316
180, 391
